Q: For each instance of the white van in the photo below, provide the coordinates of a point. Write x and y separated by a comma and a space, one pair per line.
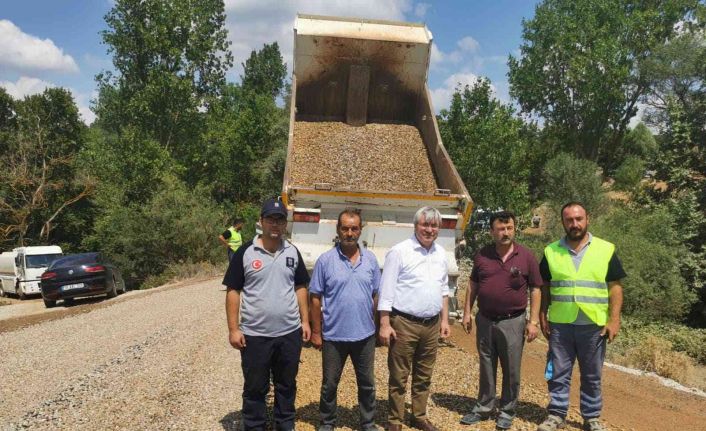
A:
21, 269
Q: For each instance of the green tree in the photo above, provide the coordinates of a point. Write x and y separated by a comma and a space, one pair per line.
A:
264, 71
579, 66
177, 224
485, 141
170, 60
38, 176
567, 178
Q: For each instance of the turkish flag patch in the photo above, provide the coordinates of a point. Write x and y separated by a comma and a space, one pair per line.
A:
256, 264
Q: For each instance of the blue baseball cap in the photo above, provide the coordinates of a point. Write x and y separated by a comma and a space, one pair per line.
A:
273, 207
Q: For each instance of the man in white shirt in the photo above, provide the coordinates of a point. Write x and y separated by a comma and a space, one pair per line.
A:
414, 310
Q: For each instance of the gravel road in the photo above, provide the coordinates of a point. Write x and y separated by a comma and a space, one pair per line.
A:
160, 360
157, 362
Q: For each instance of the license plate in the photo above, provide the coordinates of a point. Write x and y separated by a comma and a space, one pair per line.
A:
73, 286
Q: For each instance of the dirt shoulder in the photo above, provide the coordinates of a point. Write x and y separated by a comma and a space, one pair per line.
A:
630, 402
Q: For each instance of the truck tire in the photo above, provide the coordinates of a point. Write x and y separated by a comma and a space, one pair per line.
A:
49, 303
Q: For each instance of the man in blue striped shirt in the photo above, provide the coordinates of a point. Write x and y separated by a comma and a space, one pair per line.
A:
345, 284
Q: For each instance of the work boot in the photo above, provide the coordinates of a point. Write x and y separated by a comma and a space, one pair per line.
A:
593, 424
552, 423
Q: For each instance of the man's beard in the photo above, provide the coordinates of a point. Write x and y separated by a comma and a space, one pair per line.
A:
576, 234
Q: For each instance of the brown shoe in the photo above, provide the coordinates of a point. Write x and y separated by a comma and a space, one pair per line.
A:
424, 425
394, 427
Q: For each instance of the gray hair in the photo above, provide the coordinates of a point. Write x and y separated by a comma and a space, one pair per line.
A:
430, 214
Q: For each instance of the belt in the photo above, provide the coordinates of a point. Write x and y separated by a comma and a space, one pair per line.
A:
501, 317
422, 320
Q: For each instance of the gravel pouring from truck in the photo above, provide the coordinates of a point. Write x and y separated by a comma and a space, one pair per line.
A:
363, 134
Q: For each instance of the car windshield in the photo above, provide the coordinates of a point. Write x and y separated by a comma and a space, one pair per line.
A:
41, 260
75, 259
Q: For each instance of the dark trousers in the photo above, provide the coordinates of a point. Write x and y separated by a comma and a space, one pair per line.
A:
502, 341
280, 357
567, 343
231, 253
362, 355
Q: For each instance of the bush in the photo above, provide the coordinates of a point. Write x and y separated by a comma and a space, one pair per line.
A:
629, 173
177, 225
650, 251
567, 178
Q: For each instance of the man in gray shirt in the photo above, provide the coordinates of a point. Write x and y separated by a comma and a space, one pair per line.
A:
268, 318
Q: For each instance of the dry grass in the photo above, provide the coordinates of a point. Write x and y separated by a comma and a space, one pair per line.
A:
656, 355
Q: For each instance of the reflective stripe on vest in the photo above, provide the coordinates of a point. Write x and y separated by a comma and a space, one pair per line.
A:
235, 240
584, 288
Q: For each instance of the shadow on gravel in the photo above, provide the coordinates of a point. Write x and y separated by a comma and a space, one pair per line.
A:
346, 416
231, 421
530, 412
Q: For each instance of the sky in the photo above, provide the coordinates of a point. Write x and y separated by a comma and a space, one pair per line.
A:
57, 43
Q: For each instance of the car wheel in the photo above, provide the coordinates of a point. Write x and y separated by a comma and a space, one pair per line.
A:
113, 292
49, 303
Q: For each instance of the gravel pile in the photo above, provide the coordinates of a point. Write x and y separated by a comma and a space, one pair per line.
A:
378, 157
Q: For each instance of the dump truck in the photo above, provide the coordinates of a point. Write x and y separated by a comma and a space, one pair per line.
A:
21, 269
363, 134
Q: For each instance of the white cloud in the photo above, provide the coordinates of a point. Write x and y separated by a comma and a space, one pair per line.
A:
252, 23
468, 44
27, 86
421, 9
21, 51
441, 97
465, 53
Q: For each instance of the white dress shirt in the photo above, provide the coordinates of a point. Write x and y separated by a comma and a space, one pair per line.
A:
414, 279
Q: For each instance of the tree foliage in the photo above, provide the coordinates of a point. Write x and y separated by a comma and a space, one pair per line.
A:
38, 176
567, 178
177, 224
170, 60
579, 66
264, 71
486, 143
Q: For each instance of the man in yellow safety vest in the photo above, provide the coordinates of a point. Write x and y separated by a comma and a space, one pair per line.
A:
231, 237
581, 301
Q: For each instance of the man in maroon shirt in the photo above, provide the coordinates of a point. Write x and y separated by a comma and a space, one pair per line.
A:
503, 272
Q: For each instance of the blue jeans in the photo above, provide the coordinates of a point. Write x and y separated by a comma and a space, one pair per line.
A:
567, 343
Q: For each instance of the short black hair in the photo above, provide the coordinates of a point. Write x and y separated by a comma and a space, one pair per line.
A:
237, 221
571, 204
503, 216
350, 212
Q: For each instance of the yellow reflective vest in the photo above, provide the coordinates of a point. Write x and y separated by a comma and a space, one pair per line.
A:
585, 288
235, 240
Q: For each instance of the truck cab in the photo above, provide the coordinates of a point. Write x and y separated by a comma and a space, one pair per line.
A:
21, 269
